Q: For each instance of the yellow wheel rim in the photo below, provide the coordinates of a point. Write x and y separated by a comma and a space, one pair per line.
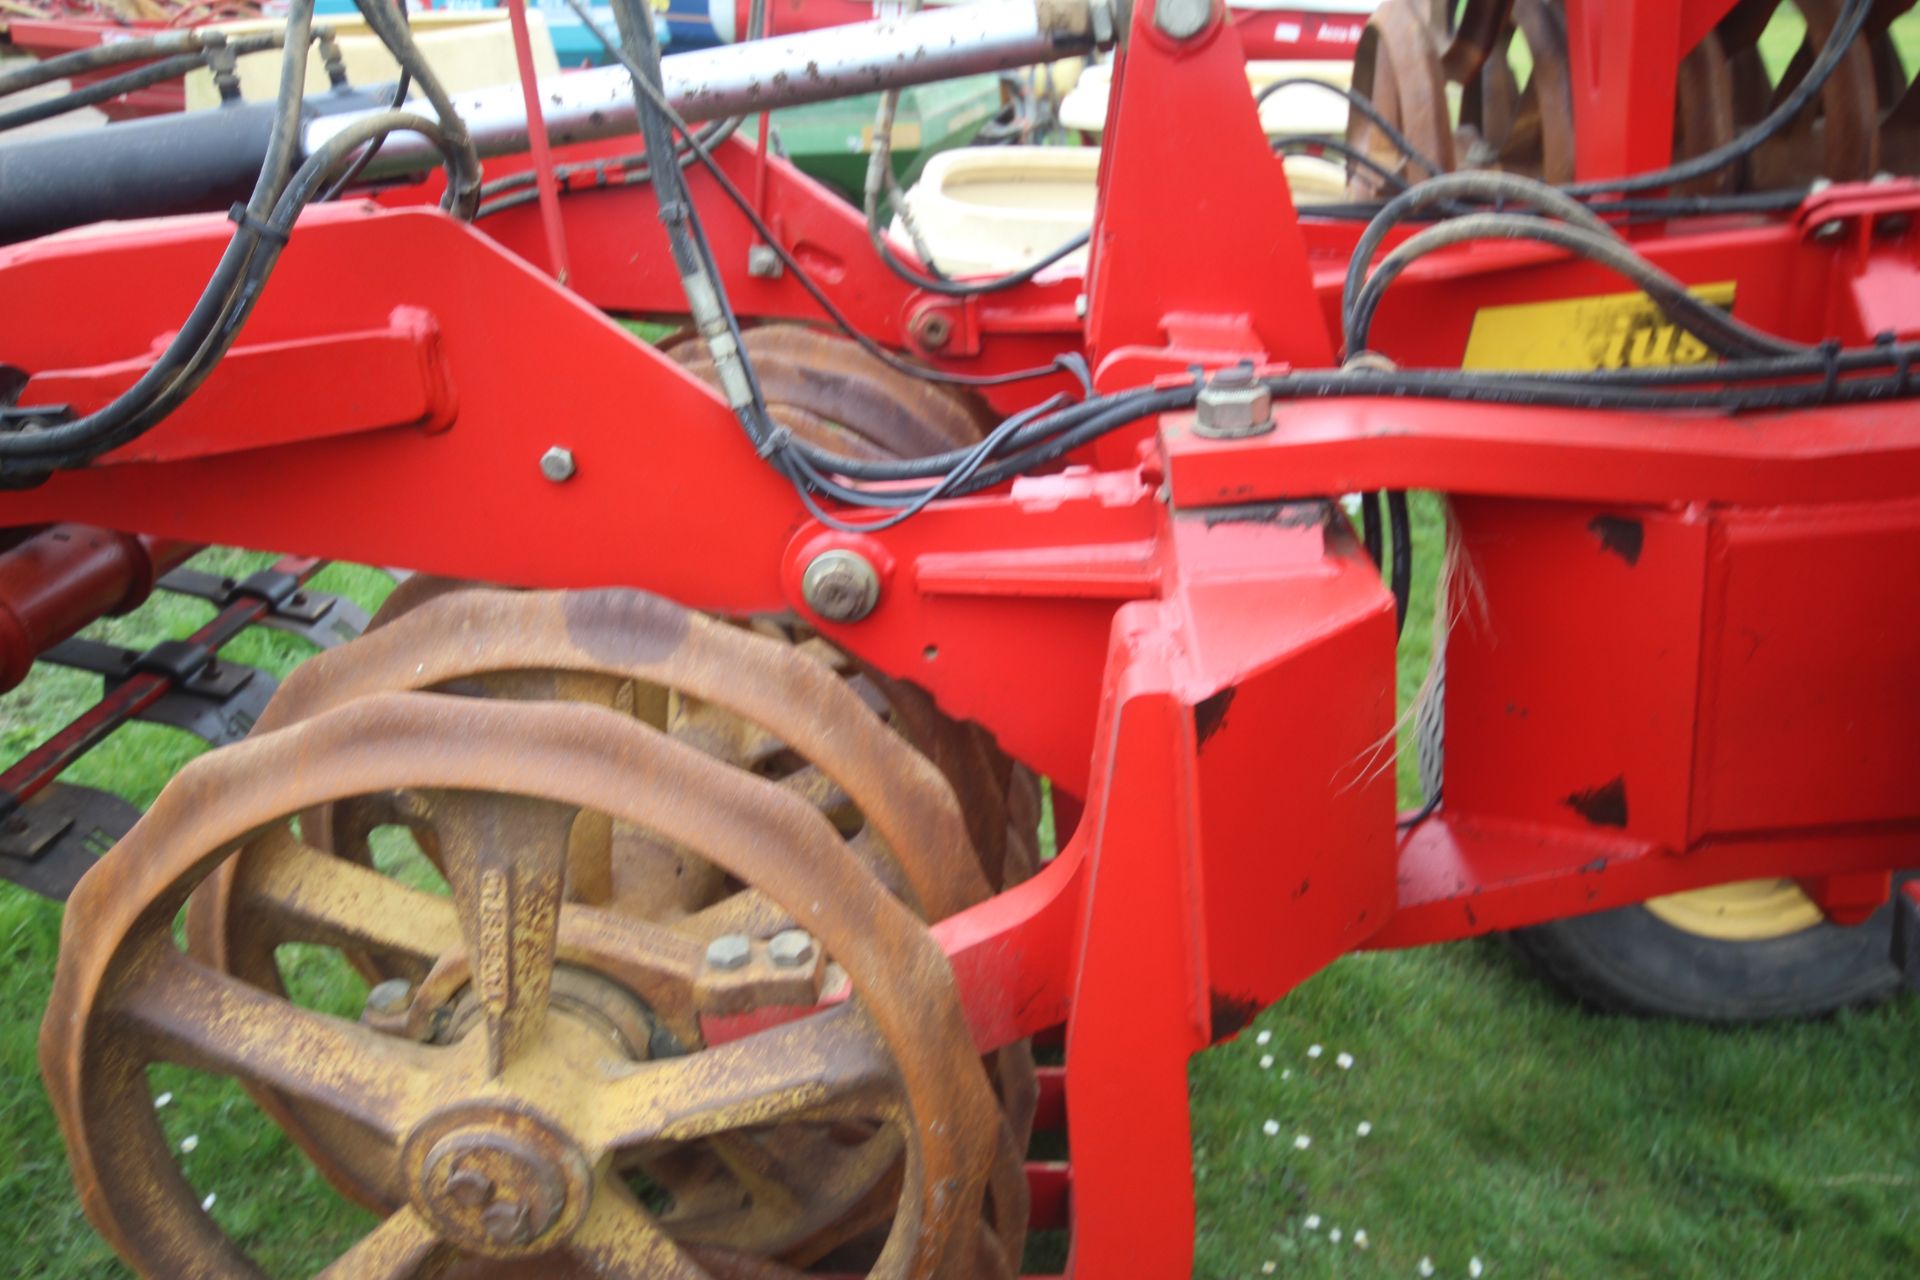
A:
1746, 911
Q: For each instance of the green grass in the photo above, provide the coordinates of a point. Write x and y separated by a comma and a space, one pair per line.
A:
1505, 1123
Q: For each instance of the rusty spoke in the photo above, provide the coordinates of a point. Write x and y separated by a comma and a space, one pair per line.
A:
317, 897
831, 1065
191, 1015
620, 1241
506, 858
404, 1247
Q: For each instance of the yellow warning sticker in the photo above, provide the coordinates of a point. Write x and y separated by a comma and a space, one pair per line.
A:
1610, 331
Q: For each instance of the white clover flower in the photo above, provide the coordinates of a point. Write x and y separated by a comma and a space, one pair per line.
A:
1314, 1051
1426, 1266
1364, 1128
1265, 1037
188, 1143
207, 1204
1474, 1268
1271, 1128
1302, 1142
1344, 1062
1334, 1235
1312, 1223
1360, 1239
162, 1101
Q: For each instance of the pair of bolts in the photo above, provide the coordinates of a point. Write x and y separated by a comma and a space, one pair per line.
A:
788, 949
505, 1219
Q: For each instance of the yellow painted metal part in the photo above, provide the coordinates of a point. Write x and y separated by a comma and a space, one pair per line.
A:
1606, 331
1747, 911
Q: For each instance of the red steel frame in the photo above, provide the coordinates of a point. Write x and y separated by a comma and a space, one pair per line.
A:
1682, 644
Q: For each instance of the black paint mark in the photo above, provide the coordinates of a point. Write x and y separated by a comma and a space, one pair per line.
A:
1604, 805
1621, 535
1230, 1013
1282, 515
1211, 715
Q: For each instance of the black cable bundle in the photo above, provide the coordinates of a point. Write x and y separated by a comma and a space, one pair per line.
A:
34, 446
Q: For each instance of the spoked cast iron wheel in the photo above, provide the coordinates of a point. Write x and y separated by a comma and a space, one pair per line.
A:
1745, 952
506, 1114
755, 703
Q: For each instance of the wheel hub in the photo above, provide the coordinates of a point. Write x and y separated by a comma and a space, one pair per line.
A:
498, 1180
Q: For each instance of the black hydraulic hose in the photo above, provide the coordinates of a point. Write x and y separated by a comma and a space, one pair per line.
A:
1370, 526
1068, 364
1852, 20
102, 90
1401, 579
398, 37
208, 330
1352, 155
361, 161
1719, 330
1450, 189
32, 74
1364, 105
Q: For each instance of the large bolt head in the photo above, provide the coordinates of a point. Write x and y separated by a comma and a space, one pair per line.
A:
791, 948
557, 465
1183, 19
840, 586
729, 952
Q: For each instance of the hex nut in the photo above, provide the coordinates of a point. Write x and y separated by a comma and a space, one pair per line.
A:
840, 585
729, 951
557, 465
791, 948
1233, 403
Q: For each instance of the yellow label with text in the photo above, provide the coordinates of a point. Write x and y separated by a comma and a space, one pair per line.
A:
1610, 331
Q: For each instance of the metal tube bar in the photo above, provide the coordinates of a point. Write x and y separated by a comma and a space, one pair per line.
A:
542, 159
742, 79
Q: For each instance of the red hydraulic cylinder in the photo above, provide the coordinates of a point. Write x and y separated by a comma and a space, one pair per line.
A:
66, 576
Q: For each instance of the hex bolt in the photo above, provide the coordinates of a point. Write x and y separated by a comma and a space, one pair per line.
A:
840, 585
506, 1222
390, 997
1183, 19
1234, 403
470, 1189
1830, 231
556, 464
791, 948
763, 262
729, 951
